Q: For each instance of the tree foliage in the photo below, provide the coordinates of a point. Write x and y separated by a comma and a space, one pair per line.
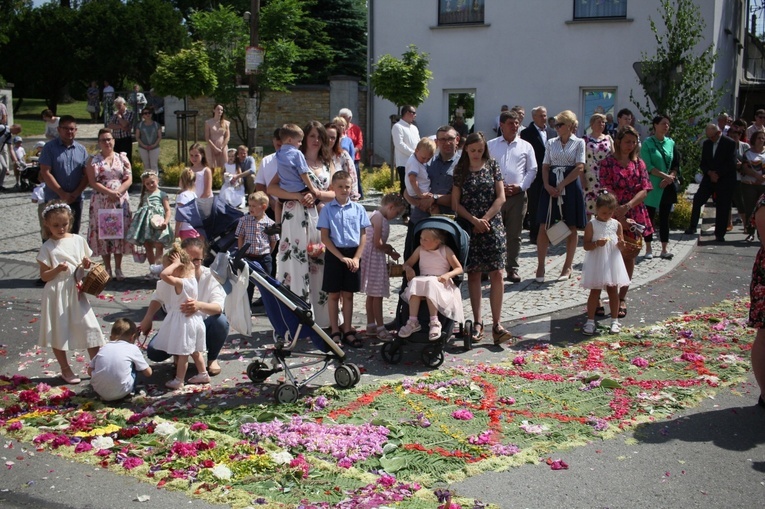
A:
677, 80
186, 73
402, 81
345, 24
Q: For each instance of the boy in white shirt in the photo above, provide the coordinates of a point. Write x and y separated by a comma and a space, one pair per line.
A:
417, 180
113, 369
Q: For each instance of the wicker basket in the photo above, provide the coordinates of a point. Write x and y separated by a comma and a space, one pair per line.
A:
395, 269
632, 247
95, 280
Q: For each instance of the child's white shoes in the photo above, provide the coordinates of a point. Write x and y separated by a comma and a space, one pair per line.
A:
201, 378
409, 328
434, 334
616, 327
174, 384
589, 328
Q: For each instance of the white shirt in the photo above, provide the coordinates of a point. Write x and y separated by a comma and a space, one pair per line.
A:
516, 160
543, 133
415, 167
406, 136
113, 368
266, 170
209, 290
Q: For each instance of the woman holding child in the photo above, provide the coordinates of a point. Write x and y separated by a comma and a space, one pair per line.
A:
295, 267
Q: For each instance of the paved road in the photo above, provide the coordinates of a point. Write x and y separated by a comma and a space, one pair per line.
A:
713, 454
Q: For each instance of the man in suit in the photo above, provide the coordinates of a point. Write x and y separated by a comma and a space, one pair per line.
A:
718, 166
537, 134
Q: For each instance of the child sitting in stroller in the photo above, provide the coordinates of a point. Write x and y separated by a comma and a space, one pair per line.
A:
438, 265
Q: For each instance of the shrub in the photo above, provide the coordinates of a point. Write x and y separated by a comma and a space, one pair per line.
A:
379, 179
137, 170
681, 214
171, 175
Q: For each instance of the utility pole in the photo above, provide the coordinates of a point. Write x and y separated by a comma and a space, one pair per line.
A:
254, 59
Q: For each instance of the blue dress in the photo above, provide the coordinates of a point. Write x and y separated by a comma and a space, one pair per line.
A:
562, 160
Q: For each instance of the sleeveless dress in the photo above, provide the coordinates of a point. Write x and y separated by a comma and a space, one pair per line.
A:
204, 205
141, 230
446, 297
374, 269
595, 151
111, 176
180, 334
67, 322
604, 266
757, 286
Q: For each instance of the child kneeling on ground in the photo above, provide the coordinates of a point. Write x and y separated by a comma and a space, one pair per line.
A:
114, 368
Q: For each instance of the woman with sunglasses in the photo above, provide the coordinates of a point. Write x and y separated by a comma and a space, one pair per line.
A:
148, 134
561, 168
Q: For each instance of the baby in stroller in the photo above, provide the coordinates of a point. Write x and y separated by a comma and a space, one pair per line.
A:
438, 265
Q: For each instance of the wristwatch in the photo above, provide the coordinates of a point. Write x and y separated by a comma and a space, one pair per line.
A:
436, 197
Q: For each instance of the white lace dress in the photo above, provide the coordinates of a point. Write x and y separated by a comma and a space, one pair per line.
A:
604, 266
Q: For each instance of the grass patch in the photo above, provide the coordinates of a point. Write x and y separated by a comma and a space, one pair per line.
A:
32, 124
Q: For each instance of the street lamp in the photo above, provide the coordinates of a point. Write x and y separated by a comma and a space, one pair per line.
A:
253, 60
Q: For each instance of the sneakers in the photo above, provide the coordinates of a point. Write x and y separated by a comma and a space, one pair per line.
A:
588, 329
616, 327
409, 328
174, 384
201, 378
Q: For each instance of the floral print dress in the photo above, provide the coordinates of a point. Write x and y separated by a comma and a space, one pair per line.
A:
595, 150
757, 286
487, 250
625, 183
301, 273
110, 176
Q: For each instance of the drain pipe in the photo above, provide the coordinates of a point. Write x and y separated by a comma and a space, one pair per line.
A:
370, 93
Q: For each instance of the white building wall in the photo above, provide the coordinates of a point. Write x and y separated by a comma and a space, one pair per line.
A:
529, 54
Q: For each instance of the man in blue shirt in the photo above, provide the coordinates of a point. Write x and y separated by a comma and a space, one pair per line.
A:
62, 168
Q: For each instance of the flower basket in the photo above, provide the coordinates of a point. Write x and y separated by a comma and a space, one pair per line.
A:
95, 280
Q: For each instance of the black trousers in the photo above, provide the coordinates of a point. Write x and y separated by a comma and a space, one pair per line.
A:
532, 193
125, 145
668, 198
723, 189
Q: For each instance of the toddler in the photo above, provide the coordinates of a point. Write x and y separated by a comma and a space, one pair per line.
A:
292, 167
375, 281
187, 181
230, 166
181, 335
67, 322
113, 369
417, 180
603, 262
150, 227
438, 265
19, 159
251, 230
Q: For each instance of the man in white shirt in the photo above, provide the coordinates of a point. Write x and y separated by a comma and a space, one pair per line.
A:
405, 138
758, 125
537, 133
518, 163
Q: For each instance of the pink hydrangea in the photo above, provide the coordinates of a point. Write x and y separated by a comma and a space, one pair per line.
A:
692, 357
198, 426
83, 447
132, 462
14, 426
519, 360
640, 362
462, 415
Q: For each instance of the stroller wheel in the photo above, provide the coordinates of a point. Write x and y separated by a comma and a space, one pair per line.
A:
432, 356
344, 377
391, 353
467, 335
258, 372
286, 393
356, 373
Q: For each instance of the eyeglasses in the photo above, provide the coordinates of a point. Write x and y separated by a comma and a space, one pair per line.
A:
412, 112
559, 125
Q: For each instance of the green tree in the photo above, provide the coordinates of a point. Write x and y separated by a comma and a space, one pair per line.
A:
346, 28
187, 73
678, 80
402, 81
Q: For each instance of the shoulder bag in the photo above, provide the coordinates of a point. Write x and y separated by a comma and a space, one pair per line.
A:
559, 231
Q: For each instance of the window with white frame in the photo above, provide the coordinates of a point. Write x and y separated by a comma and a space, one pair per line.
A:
598, 9
456, 12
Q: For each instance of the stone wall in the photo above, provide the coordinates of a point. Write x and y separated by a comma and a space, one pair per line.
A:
300, 105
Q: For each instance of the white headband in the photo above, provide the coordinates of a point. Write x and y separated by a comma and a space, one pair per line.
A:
55, 206
148, 174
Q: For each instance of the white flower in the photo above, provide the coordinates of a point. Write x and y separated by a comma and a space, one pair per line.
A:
222, 472
281, 458
99, 443
165, 429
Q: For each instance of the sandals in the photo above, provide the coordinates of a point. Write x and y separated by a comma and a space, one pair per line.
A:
622, 309
351, 340
119, 275
477, 335
337, 337
500, 334
409, 328
435, 330
600, 311
383, 335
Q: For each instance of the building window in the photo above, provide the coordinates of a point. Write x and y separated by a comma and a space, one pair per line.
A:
597, 100
588, 9
455, 12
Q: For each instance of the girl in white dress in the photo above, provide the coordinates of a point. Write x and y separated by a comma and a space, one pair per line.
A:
603, 262
67, 322
438, 265
181, 335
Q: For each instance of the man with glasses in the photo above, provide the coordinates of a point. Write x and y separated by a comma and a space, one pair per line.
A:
759, 124
62, 168
517, 161
406, 136
537, 135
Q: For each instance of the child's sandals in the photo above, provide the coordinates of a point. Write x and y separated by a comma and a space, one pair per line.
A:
434, 334
383, 335
351, 340
409, 328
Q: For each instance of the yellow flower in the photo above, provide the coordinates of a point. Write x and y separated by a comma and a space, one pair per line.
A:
96, 432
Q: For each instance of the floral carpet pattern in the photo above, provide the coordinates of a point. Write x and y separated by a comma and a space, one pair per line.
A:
395, 443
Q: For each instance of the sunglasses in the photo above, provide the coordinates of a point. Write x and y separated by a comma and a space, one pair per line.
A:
558, 126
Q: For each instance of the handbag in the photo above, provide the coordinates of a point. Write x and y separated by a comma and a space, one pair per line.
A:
111, 224
395, 269
90, 108
559, 231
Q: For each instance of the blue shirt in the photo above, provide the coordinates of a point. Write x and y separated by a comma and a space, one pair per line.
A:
441, 174
248, 165
344, 222
67, 165
290, 164
347, 144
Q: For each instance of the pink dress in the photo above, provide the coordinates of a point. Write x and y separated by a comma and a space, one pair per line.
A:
110, 176
374, 268
446, 297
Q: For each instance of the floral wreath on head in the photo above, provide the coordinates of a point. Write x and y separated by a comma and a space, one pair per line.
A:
150, 173
54, 206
